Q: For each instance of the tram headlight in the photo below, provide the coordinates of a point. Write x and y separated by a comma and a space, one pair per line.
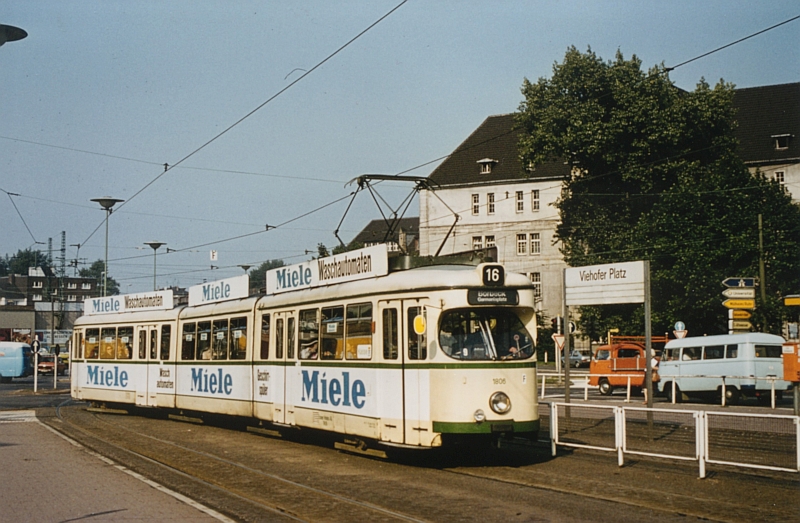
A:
479, 416
500, 402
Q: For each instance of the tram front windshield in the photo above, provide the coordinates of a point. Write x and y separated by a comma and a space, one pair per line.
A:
484, 334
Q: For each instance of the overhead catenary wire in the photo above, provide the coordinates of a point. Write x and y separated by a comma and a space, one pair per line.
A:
168, 168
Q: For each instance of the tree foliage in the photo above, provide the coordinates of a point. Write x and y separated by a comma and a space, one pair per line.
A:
25, 258
258, 276
96, 270
656, 176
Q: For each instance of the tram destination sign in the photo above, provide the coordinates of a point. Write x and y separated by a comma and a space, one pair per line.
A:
146, 301
605, 284
359, 264
492, 297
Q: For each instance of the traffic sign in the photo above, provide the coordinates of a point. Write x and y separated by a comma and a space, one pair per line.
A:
559, 341
740, 292
680, 334
739, 282
791, 300
739, 304
680, 326
739, 325
739, 314
36, 345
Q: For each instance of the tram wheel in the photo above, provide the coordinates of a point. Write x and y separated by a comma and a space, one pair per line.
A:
605, 387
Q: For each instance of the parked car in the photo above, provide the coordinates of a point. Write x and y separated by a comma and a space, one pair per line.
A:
46, 365
577, 359
622, 360
749, 361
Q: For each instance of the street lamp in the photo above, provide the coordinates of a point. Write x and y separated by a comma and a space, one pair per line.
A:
106, 202
154, 246
9, 33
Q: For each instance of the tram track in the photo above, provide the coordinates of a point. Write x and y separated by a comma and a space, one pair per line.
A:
283, 498
284, 481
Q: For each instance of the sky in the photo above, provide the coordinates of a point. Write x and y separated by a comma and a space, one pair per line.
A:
262, 134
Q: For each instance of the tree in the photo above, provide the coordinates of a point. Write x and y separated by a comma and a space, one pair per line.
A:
95, 271
258, 276
20, 262
656, 176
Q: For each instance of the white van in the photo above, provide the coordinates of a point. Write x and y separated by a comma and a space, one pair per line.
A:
746, 361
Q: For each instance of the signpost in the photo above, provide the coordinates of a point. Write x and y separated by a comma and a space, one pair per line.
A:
741, 295
626, 282
733, 303
36, 345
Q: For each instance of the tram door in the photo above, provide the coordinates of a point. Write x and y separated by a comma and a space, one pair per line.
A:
417, 387
404, 340
147, 355
285, 356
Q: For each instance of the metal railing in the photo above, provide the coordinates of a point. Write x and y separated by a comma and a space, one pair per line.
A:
763, 441
578, 378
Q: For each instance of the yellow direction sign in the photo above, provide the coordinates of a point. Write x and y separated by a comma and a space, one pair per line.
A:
739, 304
741, 325
740, 314
791, 300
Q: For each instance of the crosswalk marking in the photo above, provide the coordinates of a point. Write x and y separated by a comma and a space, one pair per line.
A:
17, 416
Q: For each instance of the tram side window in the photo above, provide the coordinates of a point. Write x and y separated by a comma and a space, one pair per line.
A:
417, 344
166, 332
108, 343
309, 334
142, 344
203, 340
77, 351
390, 334
358, 332
220, 337
332, 332
153, 344
189, 339
279, 338
125, 343
238, 338
265, 336
92, 350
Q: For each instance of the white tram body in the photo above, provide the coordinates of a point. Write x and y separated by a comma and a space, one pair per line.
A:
415, 357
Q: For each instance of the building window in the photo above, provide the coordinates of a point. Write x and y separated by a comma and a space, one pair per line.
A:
536, 279
780, 177
781, 141
522, 244
536, 243
520, 201
535, 200
72, 297
477, 243
37, 285
476, 204
86, 286
37, 297
490, 201
490, 242
72, 285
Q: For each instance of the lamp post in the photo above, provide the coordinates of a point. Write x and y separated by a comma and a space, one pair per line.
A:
154, 246
106, 202
9, 33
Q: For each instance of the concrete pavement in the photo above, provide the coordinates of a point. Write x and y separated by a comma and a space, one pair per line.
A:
47, 477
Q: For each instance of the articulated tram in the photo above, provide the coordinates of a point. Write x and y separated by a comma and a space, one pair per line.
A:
419, 357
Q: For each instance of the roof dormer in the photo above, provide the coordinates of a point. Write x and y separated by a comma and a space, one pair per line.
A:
486, 165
